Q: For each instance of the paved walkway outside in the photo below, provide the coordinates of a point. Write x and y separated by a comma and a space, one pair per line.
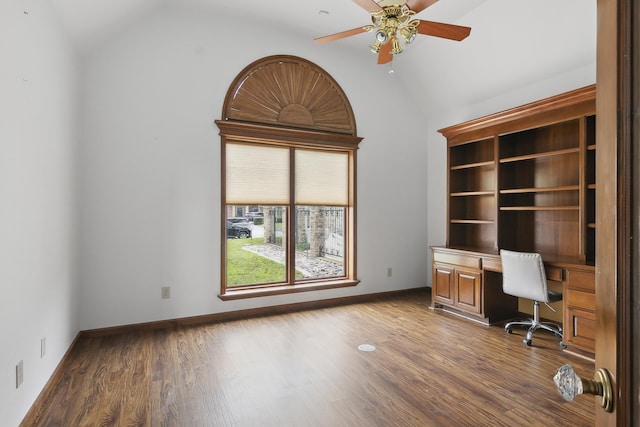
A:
310, 267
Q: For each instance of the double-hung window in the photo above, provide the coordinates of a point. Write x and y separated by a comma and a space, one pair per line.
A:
289, 211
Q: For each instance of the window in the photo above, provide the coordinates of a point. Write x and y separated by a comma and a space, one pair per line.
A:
288, 181
296, 232
303, 195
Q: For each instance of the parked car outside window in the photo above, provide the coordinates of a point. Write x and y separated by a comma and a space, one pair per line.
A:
237, 219
251, 215
237, 230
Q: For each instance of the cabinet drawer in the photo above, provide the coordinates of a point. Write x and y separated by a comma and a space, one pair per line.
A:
458, 259
492, 264
581, 279
581, 299
553, 273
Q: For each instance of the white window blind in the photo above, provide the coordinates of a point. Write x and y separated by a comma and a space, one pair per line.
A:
257, 174
322, 178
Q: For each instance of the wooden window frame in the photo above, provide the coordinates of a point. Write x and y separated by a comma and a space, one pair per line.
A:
249, 133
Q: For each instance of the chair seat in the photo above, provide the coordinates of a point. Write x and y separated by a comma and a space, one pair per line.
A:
554, 296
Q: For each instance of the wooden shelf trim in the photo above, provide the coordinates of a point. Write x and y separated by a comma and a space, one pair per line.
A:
472, 193
473, 165
539, 208
471, 221
540, 189
540, 155
576, 103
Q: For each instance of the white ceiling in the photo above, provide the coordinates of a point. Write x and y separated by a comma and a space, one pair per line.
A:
90, 21
513, 43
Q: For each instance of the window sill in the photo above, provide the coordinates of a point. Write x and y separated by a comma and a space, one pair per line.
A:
234, 294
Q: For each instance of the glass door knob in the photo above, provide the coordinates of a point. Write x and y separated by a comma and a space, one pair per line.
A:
570, 385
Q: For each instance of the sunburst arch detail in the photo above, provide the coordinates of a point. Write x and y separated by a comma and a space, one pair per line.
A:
289, 91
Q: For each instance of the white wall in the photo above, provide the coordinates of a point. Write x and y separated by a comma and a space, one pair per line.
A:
37, 150
150, 168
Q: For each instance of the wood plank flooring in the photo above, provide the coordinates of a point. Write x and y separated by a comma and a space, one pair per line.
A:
304, 369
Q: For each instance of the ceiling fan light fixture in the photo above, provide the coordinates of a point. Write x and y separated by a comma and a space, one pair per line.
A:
382, 36
409, 34
395, 46
375, 47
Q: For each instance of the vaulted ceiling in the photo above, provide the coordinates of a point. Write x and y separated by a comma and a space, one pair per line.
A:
513, 43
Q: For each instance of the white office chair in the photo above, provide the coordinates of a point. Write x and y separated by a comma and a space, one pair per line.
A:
523, 276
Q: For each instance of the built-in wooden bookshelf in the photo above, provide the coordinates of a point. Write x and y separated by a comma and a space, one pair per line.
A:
524, 180
472, 193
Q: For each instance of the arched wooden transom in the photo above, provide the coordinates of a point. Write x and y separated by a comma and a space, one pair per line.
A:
289, 91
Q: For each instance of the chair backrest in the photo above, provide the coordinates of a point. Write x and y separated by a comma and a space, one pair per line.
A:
523, 275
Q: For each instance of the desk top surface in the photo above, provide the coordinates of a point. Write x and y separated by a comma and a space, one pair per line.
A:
491, 256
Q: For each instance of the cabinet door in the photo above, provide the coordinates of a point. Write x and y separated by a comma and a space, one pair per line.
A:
580, 329
442, 285
468, 285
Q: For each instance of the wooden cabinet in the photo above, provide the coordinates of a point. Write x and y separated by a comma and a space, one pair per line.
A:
458, 285
579, 302
522, 179
461, 283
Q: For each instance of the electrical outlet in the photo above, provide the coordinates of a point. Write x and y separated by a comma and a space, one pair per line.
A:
166, 292
43, 346
19, 373
389, 272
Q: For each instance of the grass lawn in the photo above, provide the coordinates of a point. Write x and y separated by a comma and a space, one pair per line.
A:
247, 268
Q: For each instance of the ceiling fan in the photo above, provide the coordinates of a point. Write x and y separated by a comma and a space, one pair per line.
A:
392, 21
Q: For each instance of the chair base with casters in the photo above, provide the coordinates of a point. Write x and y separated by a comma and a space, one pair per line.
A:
535, 323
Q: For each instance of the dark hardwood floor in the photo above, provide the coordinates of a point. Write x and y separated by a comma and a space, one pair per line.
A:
305, 369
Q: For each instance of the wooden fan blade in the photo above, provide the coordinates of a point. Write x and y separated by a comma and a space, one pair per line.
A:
385, 56
343, 34
369, 5
446, 31
419, 5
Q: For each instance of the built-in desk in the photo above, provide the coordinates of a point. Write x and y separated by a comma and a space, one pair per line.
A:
469, 282
522, 179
